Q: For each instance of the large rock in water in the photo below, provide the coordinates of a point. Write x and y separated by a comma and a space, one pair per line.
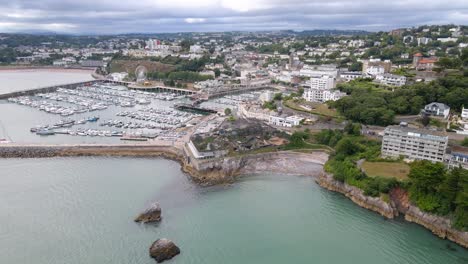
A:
152, 214
163, 249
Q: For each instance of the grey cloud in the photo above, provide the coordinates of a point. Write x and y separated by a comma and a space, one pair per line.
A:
106, 16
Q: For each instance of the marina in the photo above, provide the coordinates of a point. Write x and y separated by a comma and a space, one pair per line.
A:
106, 110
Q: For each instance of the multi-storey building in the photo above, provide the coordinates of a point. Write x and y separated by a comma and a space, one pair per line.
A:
349, 76
289, 121
414, 144
323, 83
391, 79
319, 95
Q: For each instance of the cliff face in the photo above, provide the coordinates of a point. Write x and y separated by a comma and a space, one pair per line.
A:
375, 204
228, 169
440, 226
399, 203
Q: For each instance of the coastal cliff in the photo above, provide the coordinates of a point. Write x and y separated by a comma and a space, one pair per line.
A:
375, 204
398, 203
228, 169
440, 226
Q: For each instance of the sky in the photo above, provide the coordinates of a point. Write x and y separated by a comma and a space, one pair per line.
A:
159, 16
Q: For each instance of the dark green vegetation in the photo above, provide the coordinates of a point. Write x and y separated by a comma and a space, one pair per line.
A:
168, 69
465, 142
271, 105
343, 162
179, 76
431, 186
371, 104
435, 189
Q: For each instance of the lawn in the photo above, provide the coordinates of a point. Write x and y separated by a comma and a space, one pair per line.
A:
386, 169
315, 108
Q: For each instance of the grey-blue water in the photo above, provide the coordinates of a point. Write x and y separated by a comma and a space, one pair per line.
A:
81, 210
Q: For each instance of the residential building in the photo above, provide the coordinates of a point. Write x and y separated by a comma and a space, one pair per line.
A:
421, 63
458, 159
375, 70
391, 79
318, 95
349, 76
464, 114
414, 144
323, 83
377, 63
289, 121
423, 41
449, 39
436, 109
319, 71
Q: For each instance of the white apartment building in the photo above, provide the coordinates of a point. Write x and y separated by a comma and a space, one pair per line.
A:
423, 41
464, 114
323, 83
317, 95
414, 144
391, 79
375, 70
319, 71
349, 76
289, 121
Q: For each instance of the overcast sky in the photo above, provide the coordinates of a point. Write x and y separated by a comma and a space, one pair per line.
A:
141, 16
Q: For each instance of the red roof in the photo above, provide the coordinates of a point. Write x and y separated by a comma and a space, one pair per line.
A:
426, 61
418, 55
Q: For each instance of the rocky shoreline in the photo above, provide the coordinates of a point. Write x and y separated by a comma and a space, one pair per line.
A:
398, 204
228, 169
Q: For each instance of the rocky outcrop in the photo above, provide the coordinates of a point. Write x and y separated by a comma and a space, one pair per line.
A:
399, 203
152, 214
228, 169
163, 249
439, 225
375, 204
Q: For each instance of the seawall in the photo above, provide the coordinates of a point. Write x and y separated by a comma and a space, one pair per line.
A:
397, 204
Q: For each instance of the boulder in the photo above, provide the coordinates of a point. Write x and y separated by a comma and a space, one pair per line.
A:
152, 214
163, 249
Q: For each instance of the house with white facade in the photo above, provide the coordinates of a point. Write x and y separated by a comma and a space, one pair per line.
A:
289, 121
349, 76
318, 95
391, 79
436, 109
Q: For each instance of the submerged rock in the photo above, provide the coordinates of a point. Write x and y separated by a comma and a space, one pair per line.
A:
163, 249
152, 214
